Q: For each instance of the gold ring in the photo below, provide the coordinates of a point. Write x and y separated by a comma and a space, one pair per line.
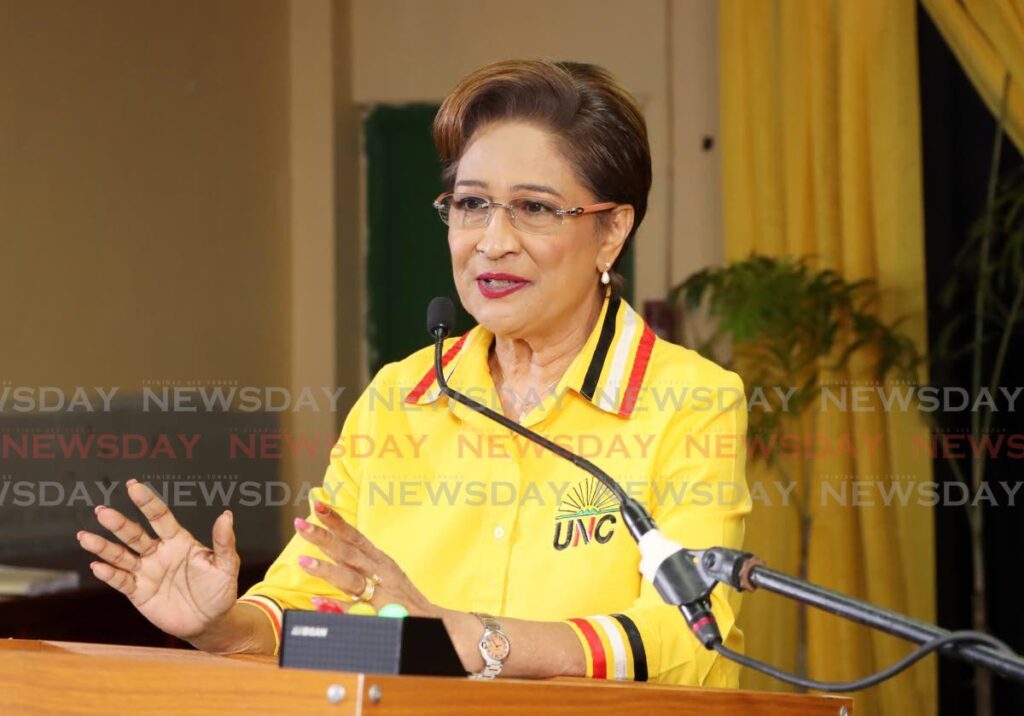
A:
368, 590
376, 579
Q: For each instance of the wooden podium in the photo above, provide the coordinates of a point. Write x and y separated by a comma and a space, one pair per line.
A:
51, 677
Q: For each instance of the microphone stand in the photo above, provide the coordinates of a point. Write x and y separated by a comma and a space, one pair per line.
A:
685, 578
745, 572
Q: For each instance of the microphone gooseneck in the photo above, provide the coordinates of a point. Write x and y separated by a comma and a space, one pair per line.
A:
664, 563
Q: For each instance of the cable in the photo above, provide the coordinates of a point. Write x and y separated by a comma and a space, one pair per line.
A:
878, 677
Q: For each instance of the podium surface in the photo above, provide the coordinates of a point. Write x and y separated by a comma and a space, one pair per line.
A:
49, 677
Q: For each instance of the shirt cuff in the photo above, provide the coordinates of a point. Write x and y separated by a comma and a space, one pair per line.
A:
271, 610
612, 646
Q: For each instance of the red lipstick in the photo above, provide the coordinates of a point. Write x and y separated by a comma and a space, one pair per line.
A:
498, 285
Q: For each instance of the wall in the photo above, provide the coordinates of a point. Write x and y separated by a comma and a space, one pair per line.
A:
664, 51
151, 153
180, 182
144, 186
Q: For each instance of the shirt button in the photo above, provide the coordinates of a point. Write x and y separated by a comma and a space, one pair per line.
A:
499, 532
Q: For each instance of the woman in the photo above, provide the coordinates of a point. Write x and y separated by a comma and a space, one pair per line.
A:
548, 171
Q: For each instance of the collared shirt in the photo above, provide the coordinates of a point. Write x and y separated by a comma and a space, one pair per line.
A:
483, 520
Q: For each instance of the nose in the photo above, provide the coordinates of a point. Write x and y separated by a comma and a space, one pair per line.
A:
499, 238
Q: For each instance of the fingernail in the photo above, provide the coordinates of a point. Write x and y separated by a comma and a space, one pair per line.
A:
80, 533
320, 507
131, 482
230, 514
99, 507
307, 562
301, 524
329, 607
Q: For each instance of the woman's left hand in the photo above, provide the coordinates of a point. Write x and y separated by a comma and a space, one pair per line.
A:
354, 559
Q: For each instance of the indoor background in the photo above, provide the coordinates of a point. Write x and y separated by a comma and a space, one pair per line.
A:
205, 192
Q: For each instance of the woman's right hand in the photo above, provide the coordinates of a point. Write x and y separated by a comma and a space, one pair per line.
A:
176, 582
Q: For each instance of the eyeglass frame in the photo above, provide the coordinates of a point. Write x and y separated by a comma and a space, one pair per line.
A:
491, 205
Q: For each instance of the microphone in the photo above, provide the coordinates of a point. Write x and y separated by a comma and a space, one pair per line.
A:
664, 563
440, 317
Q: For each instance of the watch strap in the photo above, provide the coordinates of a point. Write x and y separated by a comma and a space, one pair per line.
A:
492, 667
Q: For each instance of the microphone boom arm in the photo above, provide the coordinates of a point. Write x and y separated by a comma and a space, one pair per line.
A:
685, 578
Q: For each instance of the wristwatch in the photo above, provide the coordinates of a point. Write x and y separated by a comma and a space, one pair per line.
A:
494, 647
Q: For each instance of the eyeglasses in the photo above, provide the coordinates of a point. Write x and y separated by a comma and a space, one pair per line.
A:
535, 216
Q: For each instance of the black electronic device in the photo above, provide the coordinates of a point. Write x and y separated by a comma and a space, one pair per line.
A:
367, 644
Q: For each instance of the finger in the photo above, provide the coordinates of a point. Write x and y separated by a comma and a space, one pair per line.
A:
332, 546
345, 531
115, 554
344, 578
329, 606
155, 510
360, 562
119, 579
225, 555
126, 530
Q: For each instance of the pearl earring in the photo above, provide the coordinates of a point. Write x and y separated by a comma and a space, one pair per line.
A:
605, 278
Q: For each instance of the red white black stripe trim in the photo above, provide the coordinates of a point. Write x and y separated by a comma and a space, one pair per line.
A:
621, 358
614, 647
604, 342
600, 662
615, 372
636, 644
270, 607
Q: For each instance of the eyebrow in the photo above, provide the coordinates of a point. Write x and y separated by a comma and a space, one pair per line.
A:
518, 187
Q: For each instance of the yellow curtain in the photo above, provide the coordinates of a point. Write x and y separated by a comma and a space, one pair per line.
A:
821, 157
987, 37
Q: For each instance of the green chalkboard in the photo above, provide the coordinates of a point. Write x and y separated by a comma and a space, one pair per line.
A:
407, 261
407, 258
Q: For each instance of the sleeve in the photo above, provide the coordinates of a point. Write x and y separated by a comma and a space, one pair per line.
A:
698, 496
286, 585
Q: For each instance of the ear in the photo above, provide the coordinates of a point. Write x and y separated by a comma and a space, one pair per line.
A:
615, 234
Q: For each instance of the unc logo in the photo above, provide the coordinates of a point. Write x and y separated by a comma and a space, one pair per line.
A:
587, 514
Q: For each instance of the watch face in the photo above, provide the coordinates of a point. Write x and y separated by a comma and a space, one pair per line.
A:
496, 645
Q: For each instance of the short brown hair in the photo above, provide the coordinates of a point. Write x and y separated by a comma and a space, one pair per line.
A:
599, 126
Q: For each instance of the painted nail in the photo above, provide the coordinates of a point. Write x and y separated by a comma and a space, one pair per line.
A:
327, 606
320, 507
301, 524
130, 482
307, 562
99, 508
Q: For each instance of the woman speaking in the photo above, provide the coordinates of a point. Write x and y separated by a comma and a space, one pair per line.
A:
523, 556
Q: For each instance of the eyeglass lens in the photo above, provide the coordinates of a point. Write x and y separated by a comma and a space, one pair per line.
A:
470, 211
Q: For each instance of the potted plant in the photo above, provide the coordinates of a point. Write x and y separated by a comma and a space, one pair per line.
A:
782, 325
983, 304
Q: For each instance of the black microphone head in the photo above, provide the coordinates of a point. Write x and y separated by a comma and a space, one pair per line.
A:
440, 316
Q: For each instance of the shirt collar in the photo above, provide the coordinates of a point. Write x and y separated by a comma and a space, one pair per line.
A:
608, 372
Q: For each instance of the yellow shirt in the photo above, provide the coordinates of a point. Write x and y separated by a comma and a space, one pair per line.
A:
482, 520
